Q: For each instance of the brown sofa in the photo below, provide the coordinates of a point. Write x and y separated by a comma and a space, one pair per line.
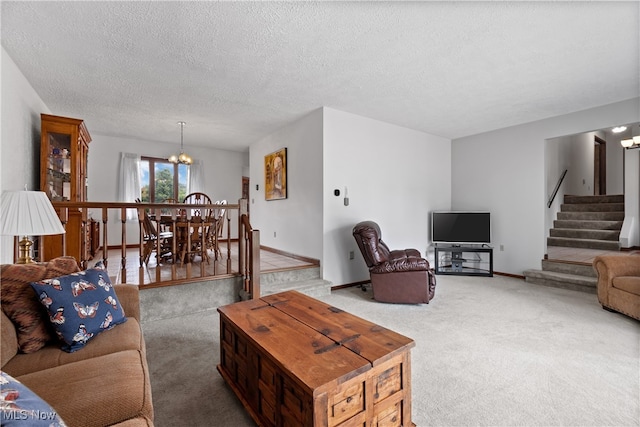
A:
105, 383
619, 283
398, 276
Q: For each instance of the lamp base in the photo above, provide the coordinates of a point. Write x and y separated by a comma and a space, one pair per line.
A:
24, 251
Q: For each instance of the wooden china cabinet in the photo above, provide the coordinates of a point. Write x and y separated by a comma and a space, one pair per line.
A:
64, 148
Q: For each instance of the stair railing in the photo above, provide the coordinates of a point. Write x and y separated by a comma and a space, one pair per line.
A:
114, 214
249, 253
555, 190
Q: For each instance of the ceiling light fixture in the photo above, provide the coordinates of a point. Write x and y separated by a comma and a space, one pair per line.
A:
182, 157
619, 129
631, 143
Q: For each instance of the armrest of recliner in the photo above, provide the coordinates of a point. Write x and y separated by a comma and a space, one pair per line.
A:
402, 260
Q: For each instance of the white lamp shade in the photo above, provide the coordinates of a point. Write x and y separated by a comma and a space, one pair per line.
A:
626, 143
28, 213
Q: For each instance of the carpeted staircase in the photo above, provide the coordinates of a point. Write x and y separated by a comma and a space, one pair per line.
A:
591, 222
306, 280
584, 222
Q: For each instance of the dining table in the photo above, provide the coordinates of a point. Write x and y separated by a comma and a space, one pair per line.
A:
190, 235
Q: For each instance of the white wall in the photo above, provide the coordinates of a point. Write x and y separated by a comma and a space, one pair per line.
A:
293, 224
630, 233
557, 160
580, 176
576, 154
223, 174
20, 148
394, 175
389, 173
615, 158
503, 171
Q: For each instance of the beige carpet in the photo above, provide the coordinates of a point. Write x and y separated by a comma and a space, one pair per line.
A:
489, 352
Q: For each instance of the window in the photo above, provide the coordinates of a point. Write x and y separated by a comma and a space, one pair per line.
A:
161, 180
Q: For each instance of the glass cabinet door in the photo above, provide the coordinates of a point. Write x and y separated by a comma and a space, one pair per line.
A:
58, 166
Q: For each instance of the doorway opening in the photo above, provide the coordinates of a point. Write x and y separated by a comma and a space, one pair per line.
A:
599, 166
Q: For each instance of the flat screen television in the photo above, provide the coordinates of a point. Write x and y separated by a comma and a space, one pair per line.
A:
458, 227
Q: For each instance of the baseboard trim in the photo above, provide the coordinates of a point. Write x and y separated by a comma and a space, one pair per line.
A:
364, 282
350, 285
290, 255
514, 276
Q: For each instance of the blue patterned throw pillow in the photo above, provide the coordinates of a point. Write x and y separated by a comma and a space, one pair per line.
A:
19, 406
80, 305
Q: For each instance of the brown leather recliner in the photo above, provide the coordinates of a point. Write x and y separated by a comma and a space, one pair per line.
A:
399, 276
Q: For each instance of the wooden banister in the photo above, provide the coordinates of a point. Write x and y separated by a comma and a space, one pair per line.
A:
106, 214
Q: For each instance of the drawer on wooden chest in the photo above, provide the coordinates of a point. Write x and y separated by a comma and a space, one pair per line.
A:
387, 382
346, 401
389, 413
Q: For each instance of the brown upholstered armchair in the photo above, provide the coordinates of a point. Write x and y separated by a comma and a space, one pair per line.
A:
399, 276
619, 283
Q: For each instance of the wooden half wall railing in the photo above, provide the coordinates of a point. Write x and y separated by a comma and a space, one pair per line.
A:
224, 261
249, 245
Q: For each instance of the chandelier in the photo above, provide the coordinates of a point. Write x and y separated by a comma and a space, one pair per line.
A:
182, 157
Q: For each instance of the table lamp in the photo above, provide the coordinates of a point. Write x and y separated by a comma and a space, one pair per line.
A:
28, 213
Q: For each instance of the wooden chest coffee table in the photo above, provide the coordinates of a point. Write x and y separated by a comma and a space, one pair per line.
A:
295, 361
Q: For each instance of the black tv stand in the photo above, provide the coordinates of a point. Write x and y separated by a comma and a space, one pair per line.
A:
466, 260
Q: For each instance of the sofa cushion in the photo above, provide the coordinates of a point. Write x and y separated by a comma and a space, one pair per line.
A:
81, 305
629, 284
126, 336
21, 406
99, 391
21, 304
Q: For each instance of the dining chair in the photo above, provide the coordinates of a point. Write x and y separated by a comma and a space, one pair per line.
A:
193, 240
167, 211
154, 241
219, 215
201, 199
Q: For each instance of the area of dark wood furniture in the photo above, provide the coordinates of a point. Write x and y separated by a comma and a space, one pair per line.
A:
295, 361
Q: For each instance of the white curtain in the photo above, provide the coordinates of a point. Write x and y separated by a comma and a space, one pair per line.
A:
129, 186
195, 182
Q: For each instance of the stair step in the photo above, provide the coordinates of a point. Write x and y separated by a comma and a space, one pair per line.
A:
583, 243
615, 198
587, 224
579, 233
313, 288
561, 280
593, 207
290, 275
591, 216
574, 268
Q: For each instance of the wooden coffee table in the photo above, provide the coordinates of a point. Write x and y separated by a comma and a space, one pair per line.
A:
295, 361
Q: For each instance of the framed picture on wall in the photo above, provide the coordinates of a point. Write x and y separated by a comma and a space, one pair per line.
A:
275, 175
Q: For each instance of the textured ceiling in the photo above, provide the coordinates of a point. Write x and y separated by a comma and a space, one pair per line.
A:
237, 71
